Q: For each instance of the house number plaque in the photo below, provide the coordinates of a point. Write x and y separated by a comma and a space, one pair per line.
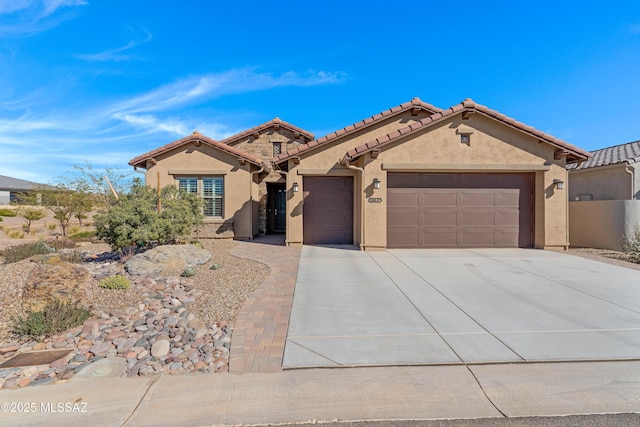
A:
375, 200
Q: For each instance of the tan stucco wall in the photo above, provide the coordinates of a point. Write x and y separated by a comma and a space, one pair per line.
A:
493, 147
602, 183
326, 161
603, 223
240, 193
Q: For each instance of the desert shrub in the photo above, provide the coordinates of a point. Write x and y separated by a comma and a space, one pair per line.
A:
74, 229
20, 252
15, 234
134, 218
188, 272
57, 316
52, 227
62, 243
7, 212
115, 282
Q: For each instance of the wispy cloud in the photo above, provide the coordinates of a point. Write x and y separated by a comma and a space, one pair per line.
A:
117, 54
138, 110
28, 17
113, 133
209, 86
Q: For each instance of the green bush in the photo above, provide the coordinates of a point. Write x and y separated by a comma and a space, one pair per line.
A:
7, 212
134, 218
57, 316
27, 250
115, 282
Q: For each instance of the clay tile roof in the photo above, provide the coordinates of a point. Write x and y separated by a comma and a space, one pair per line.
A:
414, 103
140, 161
573, 153
275, 121
629, 153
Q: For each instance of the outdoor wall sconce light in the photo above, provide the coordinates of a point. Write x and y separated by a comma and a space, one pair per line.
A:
559, 184
465, 138
376, 183
295, 187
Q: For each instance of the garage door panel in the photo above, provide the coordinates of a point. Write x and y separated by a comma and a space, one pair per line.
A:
508, 199
403, 199
475, 199
436, 198
475, 238
403, 218
467, 219
509, 238
462, 210
439, 239
447, 218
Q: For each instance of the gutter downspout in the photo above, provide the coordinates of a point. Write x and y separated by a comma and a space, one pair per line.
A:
631, 173
251, 174
348, 164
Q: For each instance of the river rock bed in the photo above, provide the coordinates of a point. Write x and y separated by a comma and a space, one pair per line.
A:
159, 335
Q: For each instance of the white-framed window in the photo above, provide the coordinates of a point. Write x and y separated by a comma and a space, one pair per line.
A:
211, 189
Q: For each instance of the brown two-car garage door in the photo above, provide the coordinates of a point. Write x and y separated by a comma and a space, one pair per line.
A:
439, 210
328, 210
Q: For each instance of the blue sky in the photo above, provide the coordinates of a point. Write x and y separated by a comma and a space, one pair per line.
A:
104, 81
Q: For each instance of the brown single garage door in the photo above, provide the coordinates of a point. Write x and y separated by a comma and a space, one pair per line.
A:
429, 210
328, 210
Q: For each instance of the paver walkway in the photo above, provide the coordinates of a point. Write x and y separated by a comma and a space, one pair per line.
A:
260, 330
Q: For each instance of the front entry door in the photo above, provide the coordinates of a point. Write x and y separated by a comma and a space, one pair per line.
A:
280, 206
276, 208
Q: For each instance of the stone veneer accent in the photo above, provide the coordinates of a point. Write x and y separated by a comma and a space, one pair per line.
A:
262, 148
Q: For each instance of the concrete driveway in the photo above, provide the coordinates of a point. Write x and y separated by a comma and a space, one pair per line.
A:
454, 306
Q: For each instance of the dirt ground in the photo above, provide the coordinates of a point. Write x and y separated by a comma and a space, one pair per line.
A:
12, 231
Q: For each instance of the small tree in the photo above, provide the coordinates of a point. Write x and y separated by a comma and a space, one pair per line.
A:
83, 204
62, 202
30, 214
134, 218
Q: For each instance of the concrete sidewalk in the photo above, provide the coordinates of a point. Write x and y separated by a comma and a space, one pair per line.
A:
348, 394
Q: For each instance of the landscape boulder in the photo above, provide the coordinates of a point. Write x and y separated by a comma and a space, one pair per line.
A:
167, 260
55, 279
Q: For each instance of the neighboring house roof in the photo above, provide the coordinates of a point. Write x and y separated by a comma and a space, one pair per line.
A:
573, 153
271, 123
141, 160
15, 184
629, 153
415, 103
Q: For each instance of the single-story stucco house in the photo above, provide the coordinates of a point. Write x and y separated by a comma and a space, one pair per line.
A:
604, 197
11, 188
411, 176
